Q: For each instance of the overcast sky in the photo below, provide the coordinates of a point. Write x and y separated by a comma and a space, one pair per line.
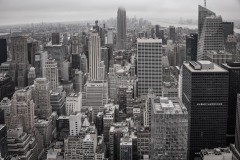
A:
33, 11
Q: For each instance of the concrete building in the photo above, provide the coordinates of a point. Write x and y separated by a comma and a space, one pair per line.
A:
5, 105
31, 76
22, 110
3, 141
73, 148
149, 58
169, 129
7, 86
210, 82
56, 38
191, 47
73, 103
148, 109
218, 57
126, 150
94, 48
110, 36
40, 59
50, 72
63, 127
19, 63
75, 122
121, 29
21, 144
65, 71
57, 101
172, 34
43, 108
143, 142
211, 37
89, 147
78, 81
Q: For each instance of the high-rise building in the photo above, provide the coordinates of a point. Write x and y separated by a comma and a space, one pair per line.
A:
169, 129
172, 34
89, 147
228, 29
3, 141
126, 148
78, 81
94, 49
73, 103
7, 86
55, 38
99, 123
73, 147
22, 110
76, 61
31, 76
40, 60
211, 37
3, 50
149, 66
191, 47
121, 29
5, 105
144, 142
2, 116
57, 101
19, 63
43, 108
158, 31
202, 14
233, 89
22, 144
32, 49
50, 72
75, 123
210, 82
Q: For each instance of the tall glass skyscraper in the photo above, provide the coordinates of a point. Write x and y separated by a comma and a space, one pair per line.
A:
121, 28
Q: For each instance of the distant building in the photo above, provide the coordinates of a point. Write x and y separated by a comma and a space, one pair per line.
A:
31, 76
172, 33
121, 29
7, 86
218, 57
55, 38
210, 82
228, 29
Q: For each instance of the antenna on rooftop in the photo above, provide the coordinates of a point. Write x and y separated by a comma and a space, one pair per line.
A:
205, 4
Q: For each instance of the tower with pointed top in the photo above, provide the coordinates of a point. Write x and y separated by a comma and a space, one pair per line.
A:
121, 28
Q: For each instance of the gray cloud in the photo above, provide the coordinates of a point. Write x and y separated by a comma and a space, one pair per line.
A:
27, 11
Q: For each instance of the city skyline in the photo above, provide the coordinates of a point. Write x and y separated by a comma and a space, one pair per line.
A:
14, 12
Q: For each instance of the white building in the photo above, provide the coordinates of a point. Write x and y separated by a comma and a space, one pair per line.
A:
75, 124
169, 129
73, 103
50, 71
110, 36
89, 147
149, 66
65, 71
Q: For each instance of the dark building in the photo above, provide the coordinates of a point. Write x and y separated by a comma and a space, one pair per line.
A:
205, 94
172, 33
191, 47
55, 38
228, 29
152, 33
2, 120
3, 50
99, 123
62, 127
122, 98
157, 31
233, 89
3, 141
32, 49
7, 87
76, 61
57, 102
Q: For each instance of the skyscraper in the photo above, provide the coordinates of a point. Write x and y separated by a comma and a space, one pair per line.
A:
202, 14
94, 49
50, 72
191, 47
3, 50
149, 66
172, 33
211, 37
22, 110
19, 63
43, 109
205, 94
233, 89
228, 29
121, 28
157, 31
169, 130
55, 38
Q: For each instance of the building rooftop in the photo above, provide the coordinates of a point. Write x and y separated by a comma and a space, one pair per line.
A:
162, 105
203, 66
215, 152
150, 40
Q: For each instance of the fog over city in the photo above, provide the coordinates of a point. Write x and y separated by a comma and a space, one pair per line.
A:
32, 11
